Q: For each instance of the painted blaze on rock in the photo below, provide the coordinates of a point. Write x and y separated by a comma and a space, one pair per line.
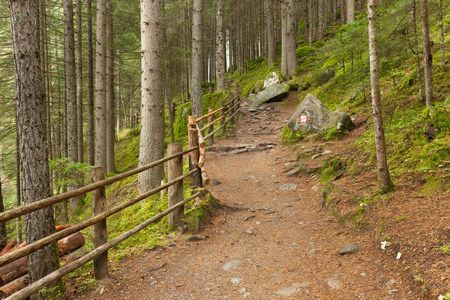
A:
319, 118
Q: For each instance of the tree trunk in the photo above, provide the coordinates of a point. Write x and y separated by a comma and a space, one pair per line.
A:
196, 80
284, 64
32, 136
416, 47
321, 14
110, 128
350, 11
271, 41
380, 144
71, 92
152, 106
220, 51
291, 42
441, 25
310, 23
90, 84
79, 83
100, 86
3, 234
427, 56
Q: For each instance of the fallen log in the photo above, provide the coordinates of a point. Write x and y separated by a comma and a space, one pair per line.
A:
15, 285
61, 227
19, 267
23, 244
8, 246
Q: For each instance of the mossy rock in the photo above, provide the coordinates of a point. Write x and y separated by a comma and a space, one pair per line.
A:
303, 51
318, 44
440, 118
331, 62
310, 60
322, 76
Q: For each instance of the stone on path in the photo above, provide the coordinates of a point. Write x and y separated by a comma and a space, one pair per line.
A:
293, 289
287, 187
236, 281
231, 265
273, 93
348, 249
335, 284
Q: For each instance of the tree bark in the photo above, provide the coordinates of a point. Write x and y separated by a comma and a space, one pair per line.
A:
79, 83
380, 144
196, 80
291, 42
416, 48
310, 23
100, 86
271, 41
441, 25
427, 56
220, 50
32, 136
110, 128
3, 234
152, 106
350, 11
90, 84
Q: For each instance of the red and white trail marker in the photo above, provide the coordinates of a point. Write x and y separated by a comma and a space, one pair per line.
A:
303, 119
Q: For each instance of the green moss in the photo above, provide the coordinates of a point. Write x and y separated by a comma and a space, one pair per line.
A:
181, 121
318, 44
401, 219
304, 51
331, 62
332, 167
291, 137
440, 118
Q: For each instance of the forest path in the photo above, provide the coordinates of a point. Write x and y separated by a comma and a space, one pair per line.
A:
263, 241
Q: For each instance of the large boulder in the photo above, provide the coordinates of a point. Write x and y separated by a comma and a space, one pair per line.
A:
273, 93
319, 118
316, 112
337, 119
272, 78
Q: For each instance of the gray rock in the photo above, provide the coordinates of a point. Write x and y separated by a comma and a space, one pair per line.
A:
250, 231
390, 282
287, 187
246, 295
272, 78
294, 172
315, 110
335, 284
272, 93
236, 281
348, 249
319, 118
337, 119
293, 289
392, 292
231, 265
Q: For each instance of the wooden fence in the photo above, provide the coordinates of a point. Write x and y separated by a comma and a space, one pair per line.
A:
175, 211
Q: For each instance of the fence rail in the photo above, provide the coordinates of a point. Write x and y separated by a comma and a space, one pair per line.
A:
175, 211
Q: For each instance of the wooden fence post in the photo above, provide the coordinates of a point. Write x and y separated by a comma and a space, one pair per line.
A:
237, 91
210, 128
222, 121
175, 195
99, 231
194, 156
230, 105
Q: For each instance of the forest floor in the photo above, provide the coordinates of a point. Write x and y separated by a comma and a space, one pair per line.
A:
270, 236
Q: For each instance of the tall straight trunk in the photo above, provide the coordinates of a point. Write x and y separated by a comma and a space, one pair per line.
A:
90, 84
151, 146
321, 14
220, 51
119, 95
342, 4
3, 234
100, 86
416, 48
79, 83
310, 23
380, 144
284, 63
32, 137
271, 40
350, 11
110, 129
334, 3
441, 25
196, 60
18, 185
291, 38
427, 56
71, 91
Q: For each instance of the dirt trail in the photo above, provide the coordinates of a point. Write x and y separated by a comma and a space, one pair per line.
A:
263, 242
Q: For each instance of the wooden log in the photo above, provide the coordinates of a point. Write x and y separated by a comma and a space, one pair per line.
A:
231, 108
19, 267
25, 209
211, 127
15, 285
61, 227
201, 161
206, 180
194, 156
210, 113
23, 244
175, 196
201, 140
71, 243
8, 246
222, 118
13, 270
99, 231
